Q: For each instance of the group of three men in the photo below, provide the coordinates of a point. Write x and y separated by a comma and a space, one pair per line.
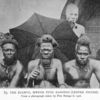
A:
47, 71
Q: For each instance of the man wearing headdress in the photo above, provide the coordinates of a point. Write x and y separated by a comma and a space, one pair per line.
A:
78, 72
45, 71
10, 66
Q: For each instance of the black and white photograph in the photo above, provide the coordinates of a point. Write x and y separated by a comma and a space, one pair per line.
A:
49, 44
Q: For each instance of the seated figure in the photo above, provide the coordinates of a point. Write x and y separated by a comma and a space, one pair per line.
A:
10, 66
78, 72
45, 71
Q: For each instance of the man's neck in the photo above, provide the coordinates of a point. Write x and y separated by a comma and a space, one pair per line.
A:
46, 63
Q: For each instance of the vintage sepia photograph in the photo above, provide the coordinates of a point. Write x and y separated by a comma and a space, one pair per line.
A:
49, 44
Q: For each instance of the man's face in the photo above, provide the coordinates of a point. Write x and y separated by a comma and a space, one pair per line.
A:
8, 50
72, 14
46, 50
82, 55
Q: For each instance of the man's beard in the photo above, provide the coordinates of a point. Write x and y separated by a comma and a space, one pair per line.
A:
82, 63
10, 61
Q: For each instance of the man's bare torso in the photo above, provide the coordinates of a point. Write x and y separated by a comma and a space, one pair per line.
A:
47, 75
7, 73
79, 77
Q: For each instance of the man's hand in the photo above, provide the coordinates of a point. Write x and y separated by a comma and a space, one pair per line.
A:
31, 77
34, 74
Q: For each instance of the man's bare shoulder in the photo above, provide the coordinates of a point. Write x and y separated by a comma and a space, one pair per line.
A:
19, 65
94, 62
33, 63
56, 61
1, 61
70, 63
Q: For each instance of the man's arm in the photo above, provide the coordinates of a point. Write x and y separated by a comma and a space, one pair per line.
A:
33, 72
66, 71
16, 77
60, 75
97, 70
30, 69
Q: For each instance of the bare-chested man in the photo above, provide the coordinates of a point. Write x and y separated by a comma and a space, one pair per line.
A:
10, 67
46, 71
78, 72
